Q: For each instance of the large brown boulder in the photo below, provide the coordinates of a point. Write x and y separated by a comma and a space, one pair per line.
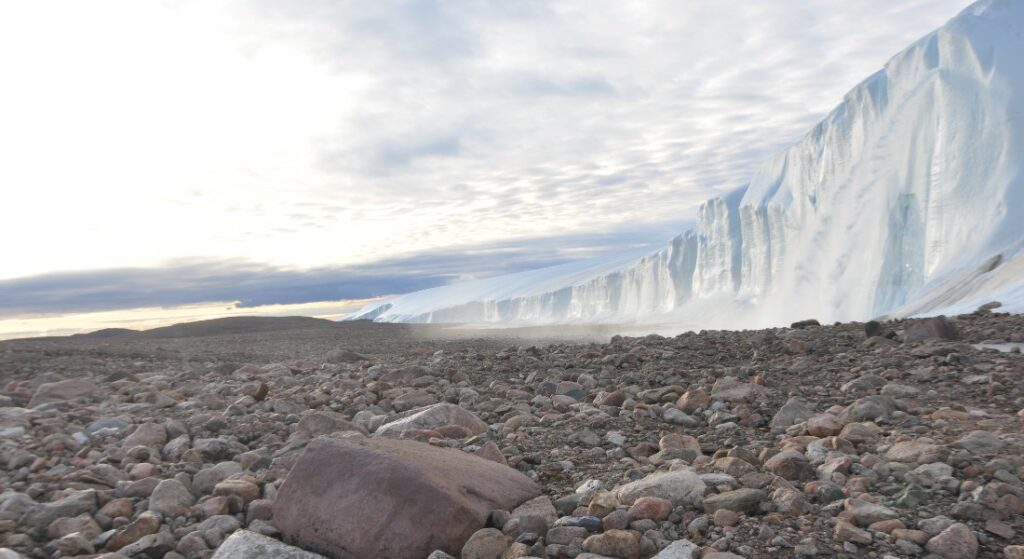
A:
400, 499
430, 418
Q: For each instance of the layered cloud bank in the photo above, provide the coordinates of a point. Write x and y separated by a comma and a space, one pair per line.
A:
907, 199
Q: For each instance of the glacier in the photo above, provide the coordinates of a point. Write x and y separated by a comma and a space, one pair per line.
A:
907, 199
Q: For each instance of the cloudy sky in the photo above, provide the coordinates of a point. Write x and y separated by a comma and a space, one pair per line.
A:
270, 151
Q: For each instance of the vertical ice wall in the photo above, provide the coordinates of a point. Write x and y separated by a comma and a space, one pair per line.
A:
719, 246
914, 178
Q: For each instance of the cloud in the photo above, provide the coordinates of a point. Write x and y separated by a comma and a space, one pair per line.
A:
253, 284
321, 133
585, 112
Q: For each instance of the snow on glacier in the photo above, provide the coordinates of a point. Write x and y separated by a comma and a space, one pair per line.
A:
908, 198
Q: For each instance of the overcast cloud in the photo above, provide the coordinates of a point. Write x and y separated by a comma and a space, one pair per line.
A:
343, 137
251, 284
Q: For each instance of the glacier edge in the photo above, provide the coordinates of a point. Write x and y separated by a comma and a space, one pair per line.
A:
891, 205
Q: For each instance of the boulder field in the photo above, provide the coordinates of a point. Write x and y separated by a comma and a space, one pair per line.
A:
883, 440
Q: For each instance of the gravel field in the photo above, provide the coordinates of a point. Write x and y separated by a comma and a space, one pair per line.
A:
249, 438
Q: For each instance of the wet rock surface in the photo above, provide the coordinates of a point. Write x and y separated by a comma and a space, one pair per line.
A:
893, 439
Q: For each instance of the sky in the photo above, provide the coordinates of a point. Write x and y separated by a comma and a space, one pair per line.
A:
180, 152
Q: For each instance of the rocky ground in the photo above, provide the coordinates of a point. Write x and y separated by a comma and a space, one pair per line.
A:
900, 439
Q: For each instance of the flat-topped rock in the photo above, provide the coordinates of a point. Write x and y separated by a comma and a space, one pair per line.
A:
347, 498
682, 487
431, 417
63, 390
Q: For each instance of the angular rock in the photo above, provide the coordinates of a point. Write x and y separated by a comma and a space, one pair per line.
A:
76, 503
739, 500
865, 513
681, 487
243, 489
615, 399
729, 389
244, 544
432, 417
790, 465
347, 498
935, 525
675, 441
792, 412
152, 435
792, 502
930, 474
82, 524
847, 532
602, 504
735, 467
676, 417
1014, 552
693, 400
74, 544
62, 391
858, 433
153, 545
679, 549
824, 425
1001, 529
980, 443
343, 356
490, 451
147, 523
316, 423
206, 479
955, 542
900, 390
488, 543
614, 543
934, 328
916, 452
868, 408
654, 508
535, 516
564, 535
864, 384
170, 498
413, 399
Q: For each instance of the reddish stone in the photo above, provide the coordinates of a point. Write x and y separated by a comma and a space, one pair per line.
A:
654, 508
346, 498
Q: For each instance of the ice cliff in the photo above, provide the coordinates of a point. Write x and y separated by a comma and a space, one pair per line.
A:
907, 199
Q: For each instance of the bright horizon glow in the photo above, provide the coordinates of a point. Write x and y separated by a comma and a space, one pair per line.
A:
155, 317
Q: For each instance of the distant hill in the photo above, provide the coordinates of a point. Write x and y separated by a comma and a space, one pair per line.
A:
106, 333
201, 328
236, 325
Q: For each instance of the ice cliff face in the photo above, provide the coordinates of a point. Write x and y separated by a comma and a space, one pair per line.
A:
907, 198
